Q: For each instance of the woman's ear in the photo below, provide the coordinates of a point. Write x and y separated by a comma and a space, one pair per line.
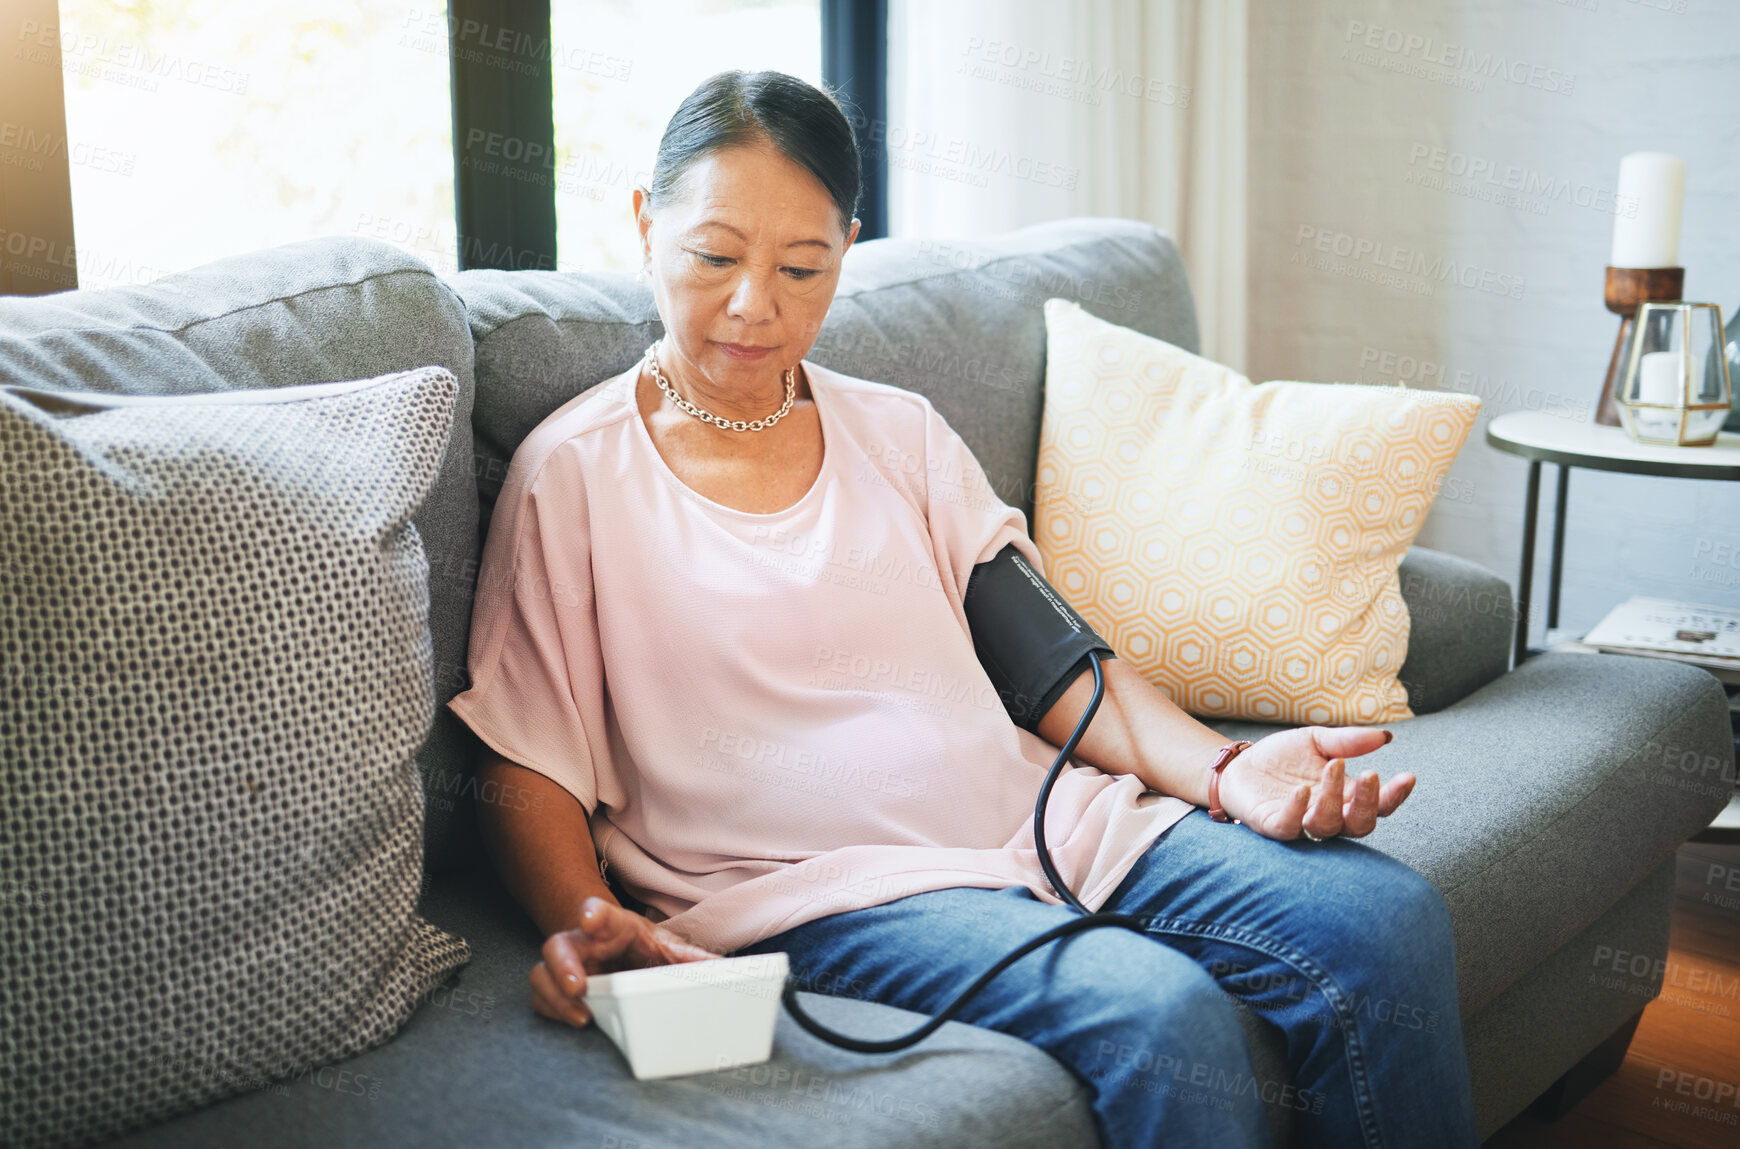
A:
643, 221
852, 234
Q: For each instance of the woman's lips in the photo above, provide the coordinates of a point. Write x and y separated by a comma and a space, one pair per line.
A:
741, 351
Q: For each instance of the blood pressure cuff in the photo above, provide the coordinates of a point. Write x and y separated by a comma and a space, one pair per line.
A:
1029, 640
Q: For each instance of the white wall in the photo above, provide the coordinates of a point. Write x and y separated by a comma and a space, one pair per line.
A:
1340, 135
1004, 113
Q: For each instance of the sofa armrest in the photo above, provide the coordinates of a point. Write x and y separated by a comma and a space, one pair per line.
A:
1462, 621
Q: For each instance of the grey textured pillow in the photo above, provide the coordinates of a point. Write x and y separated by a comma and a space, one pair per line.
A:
215, 672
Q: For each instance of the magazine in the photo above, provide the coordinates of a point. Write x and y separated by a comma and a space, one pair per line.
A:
1687, 632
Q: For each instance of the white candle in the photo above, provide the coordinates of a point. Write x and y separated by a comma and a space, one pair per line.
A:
1652, 187
1660, 378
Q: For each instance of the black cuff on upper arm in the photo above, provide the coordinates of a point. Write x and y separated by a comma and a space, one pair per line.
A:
1032, 643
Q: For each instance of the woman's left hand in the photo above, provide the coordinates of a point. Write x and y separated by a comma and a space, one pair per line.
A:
1296, 780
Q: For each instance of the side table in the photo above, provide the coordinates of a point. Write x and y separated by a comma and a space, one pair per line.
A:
1541, 437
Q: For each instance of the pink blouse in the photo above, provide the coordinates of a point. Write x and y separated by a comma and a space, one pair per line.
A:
770, 718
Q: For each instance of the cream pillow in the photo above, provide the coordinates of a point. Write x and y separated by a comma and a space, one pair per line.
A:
1237, 544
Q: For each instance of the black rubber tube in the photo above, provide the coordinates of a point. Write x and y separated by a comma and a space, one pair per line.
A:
1087, 921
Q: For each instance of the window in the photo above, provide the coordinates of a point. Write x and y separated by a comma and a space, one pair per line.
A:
199, 129
620, 70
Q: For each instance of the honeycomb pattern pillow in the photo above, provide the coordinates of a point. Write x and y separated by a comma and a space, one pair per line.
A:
1238, 544
217, 671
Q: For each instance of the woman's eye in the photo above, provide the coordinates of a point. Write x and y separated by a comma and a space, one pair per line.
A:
798, 273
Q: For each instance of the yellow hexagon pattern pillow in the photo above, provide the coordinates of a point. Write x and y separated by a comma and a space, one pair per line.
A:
1237, 544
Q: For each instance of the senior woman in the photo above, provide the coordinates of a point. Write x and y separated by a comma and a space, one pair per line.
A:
719, 639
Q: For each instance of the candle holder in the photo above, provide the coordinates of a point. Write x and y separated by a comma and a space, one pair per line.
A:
1676, 390
1627, 287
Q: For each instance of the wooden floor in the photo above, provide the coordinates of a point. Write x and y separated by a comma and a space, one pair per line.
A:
1678, 1085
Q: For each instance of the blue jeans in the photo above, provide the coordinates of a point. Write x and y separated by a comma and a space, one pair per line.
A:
1344, 949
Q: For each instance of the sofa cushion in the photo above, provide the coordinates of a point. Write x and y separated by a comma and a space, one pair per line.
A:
1546, 795
326, 309
475, 1066
215, 625
1461, 622
961, 323
1238, 544
964, 322
541, 338
1521, 1041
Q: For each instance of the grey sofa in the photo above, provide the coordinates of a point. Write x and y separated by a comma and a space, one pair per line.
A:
1548, 810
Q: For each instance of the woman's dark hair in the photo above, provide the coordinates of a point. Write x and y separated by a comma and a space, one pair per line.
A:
738, 108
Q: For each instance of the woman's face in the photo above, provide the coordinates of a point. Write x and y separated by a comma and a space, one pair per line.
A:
744, 262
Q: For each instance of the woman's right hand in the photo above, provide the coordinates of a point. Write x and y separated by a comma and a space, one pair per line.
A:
609, 938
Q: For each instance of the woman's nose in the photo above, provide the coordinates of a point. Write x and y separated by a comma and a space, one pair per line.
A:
752, 298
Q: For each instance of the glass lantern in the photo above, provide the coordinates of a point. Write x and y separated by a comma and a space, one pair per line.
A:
1676, 389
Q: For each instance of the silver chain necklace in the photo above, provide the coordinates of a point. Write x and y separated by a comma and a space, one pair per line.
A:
652, 360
